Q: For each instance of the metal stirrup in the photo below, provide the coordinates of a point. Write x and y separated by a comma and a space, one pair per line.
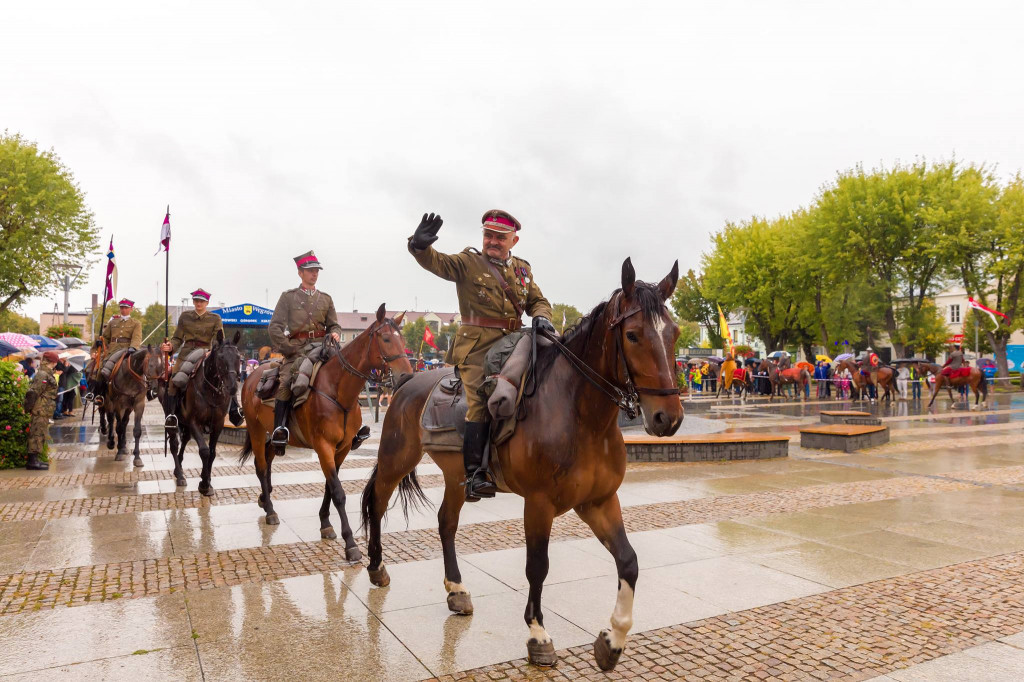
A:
173, 426
287, 436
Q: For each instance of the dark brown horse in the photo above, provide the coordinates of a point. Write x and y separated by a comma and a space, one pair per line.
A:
97, 356
566, 453
330, 419
132, 382
797, 376
974, 378
886, 378
204, 406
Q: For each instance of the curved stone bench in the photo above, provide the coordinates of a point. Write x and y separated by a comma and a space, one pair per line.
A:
843, 437
709, 447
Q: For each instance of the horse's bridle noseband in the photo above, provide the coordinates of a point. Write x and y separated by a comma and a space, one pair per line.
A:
386, 377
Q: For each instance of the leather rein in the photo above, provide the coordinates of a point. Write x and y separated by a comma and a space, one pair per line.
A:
387, 378
627, 398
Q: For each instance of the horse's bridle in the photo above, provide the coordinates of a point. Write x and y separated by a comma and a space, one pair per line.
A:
140, 378
627, 398
386, 378
232, 373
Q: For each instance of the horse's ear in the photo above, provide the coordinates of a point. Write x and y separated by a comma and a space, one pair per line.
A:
380, 313
398, 319
237, 337
668, 285
628, 277
220, 336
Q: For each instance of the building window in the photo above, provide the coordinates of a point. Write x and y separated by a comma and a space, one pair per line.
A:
954, 313
342, 335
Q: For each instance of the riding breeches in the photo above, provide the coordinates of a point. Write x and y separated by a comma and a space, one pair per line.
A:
472, 373
289, 366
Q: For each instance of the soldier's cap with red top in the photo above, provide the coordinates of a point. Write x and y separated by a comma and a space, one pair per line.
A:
500, 221
51, 356
308, 261
126, 303
200, 295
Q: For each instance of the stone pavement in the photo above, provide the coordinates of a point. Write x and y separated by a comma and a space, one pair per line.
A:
902, 562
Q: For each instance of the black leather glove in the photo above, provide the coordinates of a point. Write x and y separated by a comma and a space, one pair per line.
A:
544, 324
426, 233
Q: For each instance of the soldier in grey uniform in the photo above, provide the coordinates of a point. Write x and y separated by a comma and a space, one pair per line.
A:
302, 315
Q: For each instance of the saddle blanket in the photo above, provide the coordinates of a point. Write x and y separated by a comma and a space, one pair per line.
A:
956, 373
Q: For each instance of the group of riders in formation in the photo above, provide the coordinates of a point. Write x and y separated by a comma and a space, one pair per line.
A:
566, 453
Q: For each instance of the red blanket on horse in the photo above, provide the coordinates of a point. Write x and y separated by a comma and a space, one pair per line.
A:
739, 374
956, 373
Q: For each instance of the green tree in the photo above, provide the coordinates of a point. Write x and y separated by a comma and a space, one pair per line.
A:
152, 319
690, 303
984, 326
413, 333
689, 334
569, 313
58, 331
10, 321
44, 221
445, 336
921, 329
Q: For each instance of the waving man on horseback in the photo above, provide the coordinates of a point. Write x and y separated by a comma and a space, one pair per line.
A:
494, 289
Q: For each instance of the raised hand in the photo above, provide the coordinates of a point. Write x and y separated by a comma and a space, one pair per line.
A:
426, 232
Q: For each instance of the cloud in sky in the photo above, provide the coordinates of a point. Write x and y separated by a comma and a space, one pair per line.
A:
608, 129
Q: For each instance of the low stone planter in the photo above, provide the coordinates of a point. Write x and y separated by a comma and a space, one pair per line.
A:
843, 437
712, 447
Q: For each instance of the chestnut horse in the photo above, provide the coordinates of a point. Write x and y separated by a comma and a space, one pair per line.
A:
132, 382
566, 453
329, 419
886, 378
204, 406
792, 375
975, 379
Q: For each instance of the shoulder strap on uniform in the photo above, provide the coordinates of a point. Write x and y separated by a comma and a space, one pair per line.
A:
471, 249
504, 286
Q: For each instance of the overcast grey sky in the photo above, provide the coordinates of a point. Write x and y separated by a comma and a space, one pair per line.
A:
608, 129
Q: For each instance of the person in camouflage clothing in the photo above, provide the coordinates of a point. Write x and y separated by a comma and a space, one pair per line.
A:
195, 329
41, 399
494, 289
302, 316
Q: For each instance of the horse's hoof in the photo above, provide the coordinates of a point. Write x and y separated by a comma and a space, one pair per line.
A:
607, 657
119, 457
379, 577
207, 491
110, 446
137, 461
272, 519
180, 481
353, 554
542, 654
461, 603
328, 533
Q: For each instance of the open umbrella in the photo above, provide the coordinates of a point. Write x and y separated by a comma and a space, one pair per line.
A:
6, 349
715, 359
73, 341
75, 358
844, 356
46, 343
18, 340
778, 354
823, 358
803, 364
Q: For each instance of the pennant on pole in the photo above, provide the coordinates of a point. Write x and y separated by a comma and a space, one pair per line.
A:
726, 334
428, 338
110, 289
991, 313
165, 234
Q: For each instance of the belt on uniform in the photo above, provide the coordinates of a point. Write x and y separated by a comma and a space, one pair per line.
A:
510, 324
200, 344
121, 339
302, 336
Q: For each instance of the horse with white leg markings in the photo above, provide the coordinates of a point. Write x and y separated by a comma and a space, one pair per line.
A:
567, 451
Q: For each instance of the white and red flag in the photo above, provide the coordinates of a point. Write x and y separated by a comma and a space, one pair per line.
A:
991, 313
165, 233
428, 338
110, 289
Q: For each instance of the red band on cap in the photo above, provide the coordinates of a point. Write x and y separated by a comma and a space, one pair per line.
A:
307, 259
502, 221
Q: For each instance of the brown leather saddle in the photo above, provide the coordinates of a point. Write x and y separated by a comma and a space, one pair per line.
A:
444, 413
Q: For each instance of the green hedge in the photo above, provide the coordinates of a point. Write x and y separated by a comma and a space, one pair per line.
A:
13, 420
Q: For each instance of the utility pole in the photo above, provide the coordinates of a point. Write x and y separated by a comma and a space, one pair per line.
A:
66, 282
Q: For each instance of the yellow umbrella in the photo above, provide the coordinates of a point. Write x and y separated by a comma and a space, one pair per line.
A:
823, 358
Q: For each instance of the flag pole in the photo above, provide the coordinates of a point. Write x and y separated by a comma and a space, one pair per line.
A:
167, 285
103, 310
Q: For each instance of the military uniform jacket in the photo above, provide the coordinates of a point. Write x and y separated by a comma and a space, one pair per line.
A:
956, 360
122, 333
44, 385
297, 312
195, 331
481, 295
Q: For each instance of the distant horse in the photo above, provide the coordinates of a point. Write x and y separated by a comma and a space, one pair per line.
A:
886, 378
132, 382
97, 356
204, 406
797, 376
566, 453
973, 378
741, 383
330, 419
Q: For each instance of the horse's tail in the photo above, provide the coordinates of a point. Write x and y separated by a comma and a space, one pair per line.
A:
246, 451
409, 492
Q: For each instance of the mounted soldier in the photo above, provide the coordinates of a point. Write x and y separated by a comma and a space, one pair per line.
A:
122, 332
196, 329
494, 289
302, 316
954, 362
